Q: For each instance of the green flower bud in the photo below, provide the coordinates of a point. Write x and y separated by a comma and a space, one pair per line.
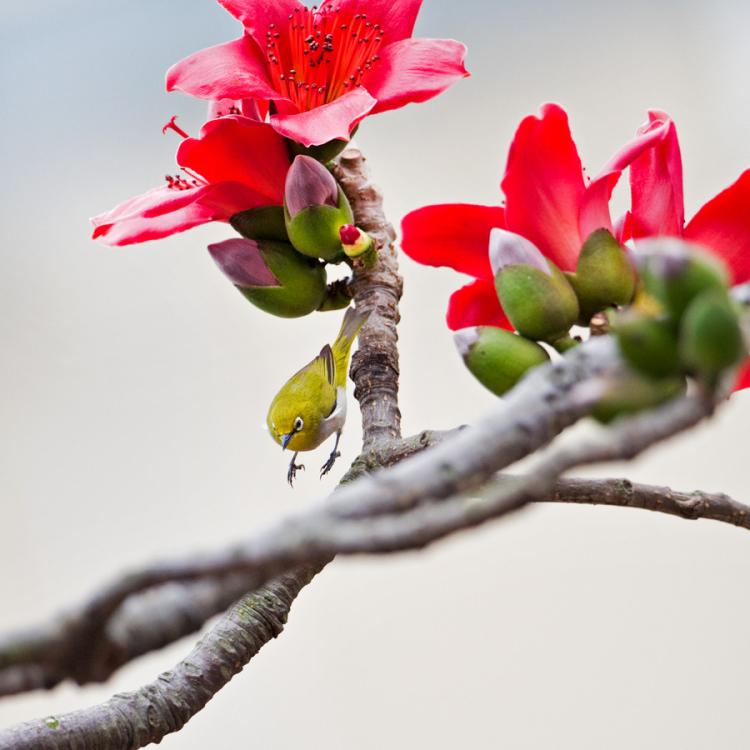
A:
536, 296
272, 275
675, 272
604, 276
497, 358
264, 223
315, 209
711, 339
632, 393
648, 344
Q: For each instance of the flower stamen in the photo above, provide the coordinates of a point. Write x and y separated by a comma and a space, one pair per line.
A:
322, 54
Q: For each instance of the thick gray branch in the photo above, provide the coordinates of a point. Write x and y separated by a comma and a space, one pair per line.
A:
133, 720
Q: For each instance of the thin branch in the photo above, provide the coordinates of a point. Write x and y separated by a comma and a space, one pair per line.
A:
622, 493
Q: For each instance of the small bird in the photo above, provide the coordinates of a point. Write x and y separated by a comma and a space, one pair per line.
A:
311, 406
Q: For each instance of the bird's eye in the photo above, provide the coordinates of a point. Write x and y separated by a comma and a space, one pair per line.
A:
298, 424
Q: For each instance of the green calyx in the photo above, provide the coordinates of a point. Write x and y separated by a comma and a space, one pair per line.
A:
632, 393
711, 339
648, 344
325, 153
497, 358
314, 231
541, 306
604, 275
302, 285
264, 223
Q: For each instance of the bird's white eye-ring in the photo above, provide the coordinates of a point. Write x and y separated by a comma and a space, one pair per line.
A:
298, 424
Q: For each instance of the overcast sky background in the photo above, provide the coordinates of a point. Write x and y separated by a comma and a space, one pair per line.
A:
135, 384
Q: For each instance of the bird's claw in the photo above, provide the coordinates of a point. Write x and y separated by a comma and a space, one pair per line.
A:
328, 465
291, 475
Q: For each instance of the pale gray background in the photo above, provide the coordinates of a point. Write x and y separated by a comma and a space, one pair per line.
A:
135, 384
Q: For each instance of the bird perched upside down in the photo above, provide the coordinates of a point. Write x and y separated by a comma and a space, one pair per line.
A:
311, 406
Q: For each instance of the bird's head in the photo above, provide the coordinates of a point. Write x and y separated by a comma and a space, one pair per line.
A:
293, 424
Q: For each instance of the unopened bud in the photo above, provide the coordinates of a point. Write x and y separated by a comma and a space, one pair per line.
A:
711, 339
604, 275
354, 241
272, 275
315, 209
632, 393
536, 296
497, 358
675, 272
263, 223
648, 344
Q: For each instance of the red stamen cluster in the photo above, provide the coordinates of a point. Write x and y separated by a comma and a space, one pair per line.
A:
322, 54
178, 182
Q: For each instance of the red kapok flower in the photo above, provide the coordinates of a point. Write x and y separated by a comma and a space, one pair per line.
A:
722, 225
548, 201
323, 68
236, 164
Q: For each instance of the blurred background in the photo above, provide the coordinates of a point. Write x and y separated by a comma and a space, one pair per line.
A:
135, 384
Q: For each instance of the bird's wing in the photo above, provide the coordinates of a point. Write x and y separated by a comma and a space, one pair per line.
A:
326, 354
316, 381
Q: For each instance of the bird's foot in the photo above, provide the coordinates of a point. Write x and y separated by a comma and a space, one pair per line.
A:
328, 465
291, 475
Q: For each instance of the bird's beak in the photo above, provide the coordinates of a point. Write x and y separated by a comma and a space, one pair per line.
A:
285, 440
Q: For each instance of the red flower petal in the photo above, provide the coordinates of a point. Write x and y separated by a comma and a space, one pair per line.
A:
397, 17
594, 212
234, 70
723, 225
476, 305
453, 235
162, 212
595, 207
241, 150
415, 70
743, 379
329, 122
544, 186
656, 180
258, 15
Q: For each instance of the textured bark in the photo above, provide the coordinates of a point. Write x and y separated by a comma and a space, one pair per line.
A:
375, 367
622, 493
134, 720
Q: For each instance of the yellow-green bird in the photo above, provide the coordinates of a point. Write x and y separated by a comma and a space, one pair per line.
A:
311, 406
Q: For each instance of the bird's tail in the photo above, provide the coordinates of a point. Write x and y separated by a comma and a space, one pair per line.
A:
350, 328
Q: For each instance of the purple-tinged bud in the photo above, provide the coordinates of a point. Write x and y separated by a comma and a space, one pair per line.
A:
272, 275
242, 262
315, 209
309, 183
354, 241
533, 291
675, 272
510, 249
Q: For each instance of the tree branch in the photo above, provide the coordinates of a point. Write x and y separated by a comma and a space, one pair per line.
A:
137, 719
622, 493
375, 366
